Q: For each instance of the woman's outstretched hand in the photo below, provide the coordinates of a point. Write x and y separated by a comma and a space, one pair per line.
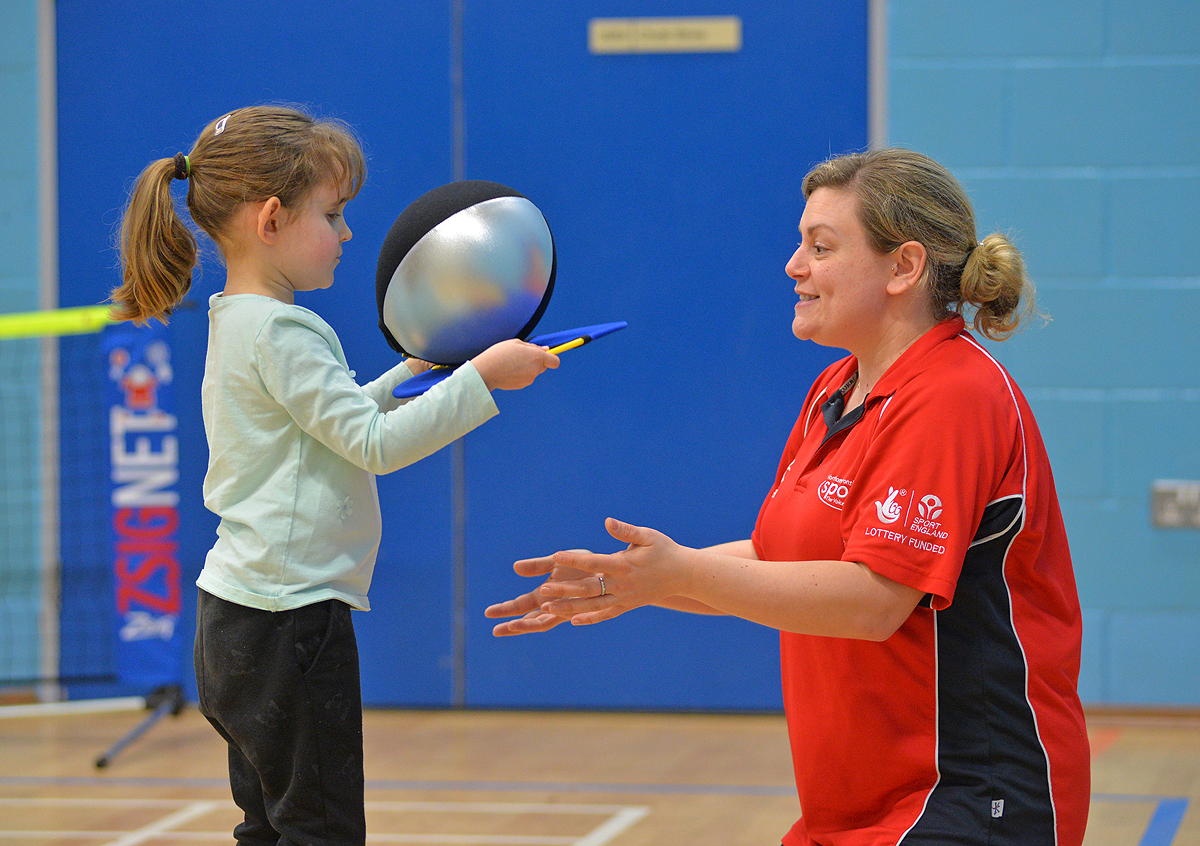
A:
586, 588
528, 606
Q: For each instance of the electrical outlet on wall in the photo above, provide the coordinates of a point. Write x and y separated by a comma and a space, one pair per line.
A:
1175, 504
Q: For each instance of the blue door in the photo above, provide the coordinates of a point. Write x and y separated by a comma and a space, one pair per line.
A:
672, 184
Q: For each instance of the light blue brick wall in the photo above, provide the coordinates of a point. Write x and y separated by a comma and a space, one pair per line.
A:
18, 155
1075, 126
20, 480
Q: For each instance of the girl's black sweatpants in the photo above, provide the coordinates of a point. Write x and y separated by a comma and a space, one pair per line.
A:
282, 688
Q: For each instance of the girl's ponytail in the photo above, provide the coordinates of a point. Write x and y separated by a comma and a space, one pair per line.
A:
158, 251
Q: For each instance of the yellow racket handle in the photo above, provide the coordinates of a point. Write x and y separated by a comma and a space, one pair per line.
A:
569, 345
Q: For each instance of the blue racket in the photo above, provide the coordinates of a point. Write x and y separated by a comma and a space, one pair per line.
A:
558, 342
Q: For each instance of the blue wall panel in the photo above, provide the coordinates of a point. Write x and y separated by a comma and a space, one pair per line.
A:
672, 183
1139, 661
1143, 207
1156, 443
20, 360
1080, 350
1076, 432
1058, 220
1081, 142
1119, 115
19, 160
1162, 28
945, 30
1146, 568
1093, 681
139, 81
949, 101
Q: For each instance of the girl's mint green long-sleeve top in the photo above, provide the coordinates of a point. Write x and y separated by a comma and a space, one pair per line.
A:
294, 447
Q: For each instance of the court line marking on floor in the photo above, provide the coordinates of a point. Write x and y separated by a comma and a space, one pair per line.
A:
152, 831
1164, 823
88, 802
494, 807
1168, 816
82, 706
613, 826
619, 819
428, 785
587, 787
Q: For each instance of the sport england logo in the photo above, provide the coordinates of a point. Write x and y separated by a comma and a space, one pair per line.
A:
929, 510
930, 507
889, 510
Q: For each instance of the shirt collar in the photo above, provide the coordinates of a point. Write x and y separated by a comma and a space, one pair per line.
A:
832, 408
901, 368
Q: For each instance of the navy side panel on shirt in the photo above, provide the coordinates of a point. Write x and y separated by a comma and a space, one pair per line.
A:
983, 711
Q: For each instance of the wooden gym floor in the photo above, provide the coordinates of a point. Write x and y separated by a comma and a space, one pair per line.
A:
524, 779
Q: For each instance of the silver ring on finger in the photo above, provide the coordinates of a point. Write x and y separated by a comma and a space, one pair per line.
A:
603, 589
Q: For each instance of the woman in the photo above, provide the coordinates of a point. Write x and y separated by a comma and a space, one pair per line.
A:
911, 550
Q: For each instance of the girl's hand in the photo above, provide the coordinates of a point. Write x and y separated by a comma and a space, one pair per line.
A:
512, 365
417, 366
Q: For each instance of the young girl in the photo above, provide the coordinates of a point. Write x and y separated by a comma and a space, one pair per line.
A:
294, 446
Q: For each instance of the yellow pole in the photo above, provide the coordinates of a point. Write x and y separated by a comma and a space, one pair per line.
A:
82, 320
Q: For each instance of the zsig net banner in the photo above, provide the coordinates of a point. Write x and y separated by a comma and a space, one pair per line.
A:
144, 476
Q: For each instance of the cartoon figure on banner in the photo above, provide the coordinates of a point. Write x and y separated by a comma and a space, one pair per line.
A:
140, 382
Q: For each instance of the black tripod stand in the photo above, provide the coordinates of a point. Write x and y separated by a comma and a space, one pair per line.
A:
167, 699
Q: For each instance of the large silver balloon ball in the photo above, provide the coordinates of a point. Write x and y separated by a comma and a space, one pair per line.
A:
465, 266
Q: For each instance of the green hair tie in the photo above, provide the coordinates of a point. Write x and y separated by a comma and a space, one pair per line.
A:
183, 166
